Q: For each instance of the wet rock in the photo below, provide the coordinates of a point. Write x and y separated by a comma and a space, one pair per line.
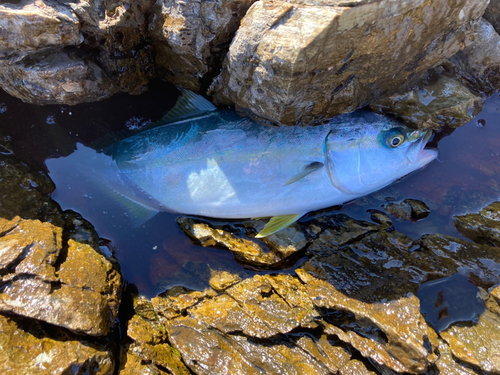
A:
477, 345
25, 192
29, 347
484, 227
176, 300
33, 25
221, 280
60, 77
442, 101
492, 14
191, 38
402, 346
335, 357
333, 232
446, 363
116, 36
280, 245
131, 364
297, 62
409, 209
71, 286
479, 62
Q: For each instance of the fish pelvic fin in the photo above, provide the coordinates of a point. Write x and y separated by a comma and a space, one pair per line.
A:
278, 223
188, 105
307, 170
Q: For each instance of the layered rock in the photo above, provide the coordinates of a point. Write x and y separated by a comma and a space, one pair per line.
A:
70, 285
192, 37
294, 62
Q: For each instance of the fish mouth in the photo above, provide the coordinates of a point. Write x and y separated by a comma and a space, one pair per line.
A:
417, 153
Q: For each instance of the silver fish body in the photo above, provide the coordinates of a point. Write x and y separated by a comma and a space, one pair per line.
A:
225, 166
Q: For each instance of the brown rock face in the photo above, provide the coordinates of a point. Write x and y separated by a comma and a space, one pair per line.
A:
295, 62
29, 348
71, 286
192, 36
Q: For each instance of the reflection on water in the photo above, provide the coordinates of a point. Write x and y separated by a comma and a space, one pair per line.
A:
158, 255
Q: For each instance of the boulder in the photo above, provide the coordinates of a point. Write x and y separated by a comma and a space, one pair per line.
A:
492, 14
479, 62
192, 37
301, 61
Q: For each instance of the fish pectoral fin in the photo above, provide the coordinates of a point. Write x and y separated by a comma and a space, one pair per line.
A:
307, 170
188, 105
278, 223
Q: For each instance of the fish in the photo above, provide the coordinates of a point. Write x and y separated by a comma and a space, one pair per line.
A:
214, 163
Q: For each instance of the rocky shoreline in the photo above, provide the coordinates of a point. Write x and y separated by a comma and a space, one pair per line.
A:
353, 306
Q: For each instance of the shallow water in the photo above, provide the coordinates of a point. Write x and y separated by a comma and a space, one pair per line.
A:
157, 255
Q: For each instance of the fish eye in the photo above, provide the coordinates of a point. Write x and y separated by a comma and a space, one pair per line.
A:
395, 139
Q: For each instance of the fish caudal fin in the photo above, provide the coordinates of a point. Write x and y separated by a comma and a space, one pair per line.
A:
278, 223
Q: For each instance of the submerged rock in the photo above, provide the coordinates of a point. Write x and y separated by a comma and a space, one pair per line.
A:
409, 209
482, 228
295, 62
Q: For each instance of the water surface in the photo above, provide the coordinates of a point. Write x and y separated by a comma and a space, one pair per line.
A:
157, 255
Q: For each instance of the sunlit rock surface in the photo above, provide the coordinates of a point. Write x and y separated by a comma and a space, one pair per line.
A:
72, 286
31, 347
293, 62
192, 37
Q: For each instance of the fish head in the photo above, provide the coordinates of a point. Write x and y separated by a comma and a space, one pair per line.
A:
374, 152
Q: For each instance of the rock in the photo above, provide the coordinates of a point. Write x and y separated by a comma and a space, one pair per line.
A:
29, 26
42, 281
401, 346
492, 14
117, 38
297, 62
29, 347
482, 228
389, 265
192, 38
221, 280
25, 192
442, 101
280, 246
479, 62
409, 209
131, 364
60, 77
176, 300
446, 363
478, 344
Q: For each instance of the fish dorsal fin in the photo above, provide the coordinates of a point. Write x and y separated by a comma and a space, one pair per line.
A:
188, 105
278, 223
307, 170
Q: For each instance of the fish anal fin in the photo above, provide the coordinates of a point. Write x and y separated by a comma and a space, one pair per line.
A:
307, 170
188, 105
278, 223
137, 213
